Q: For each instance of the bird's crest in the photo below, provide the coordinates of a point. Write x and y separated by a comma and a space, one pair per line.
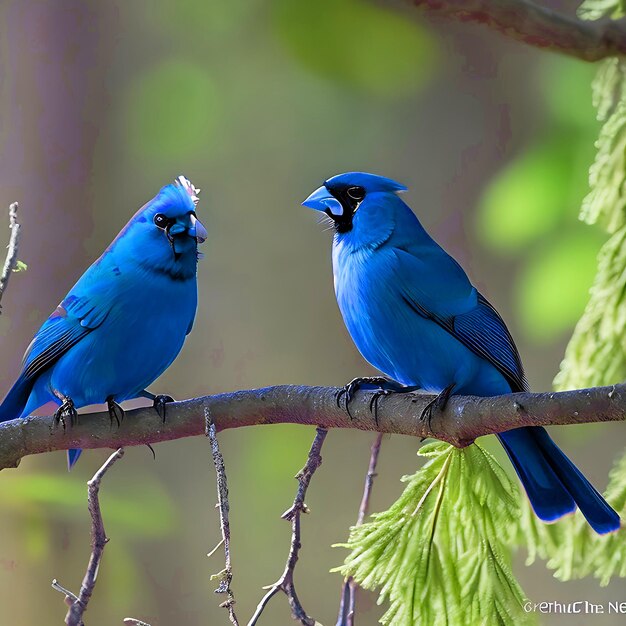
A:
188, 186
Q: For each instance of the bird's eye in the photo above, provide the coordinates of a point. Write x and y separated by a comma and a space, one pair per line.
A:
160, 220
356, 193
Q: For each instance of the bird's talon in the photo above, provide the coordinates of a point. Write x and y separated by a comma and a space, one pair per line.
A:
355, 385
116, 412
66, 410
438, 402
160, 403
376, 396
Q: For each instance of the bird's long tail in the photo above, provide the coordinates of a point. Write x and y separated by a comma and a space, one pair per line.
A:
15, 401
15, 405
555, 486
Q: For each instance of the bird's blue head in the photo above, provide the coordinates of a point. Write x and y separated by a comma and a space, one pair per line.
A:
173, 216
164, 234
341, 196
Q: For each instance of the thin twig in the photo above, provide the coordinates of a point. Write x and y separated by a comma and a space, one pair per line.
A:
78, 604
10, 262
131, 621
462, 420
285, 583
222, 500
70, 596
348, 591
216, 548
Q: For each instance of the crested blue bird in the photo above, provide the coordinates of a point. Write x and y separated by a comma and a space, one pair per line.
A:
415, 316
124, 321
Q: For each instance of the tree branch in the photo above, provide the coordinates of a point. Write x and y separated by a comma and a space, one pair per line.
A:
78, 604
538, 26
222, 500
349, 588
10, 262
293, 514
464, 419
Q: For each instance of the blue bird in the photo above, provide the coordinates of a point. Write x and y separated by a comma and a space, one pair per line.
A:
415, 316
123, 322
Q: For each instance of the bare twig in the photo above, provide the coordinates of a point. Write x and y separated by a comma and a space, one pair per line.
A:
131, 621
464, 418
10, 262
70, 597
222, 500
216, 548
349, 589
538, 26
285, 583
78, 604
369, 479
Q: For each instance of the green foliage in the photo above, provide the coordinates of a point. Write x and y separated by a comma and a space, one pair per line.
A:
440, 554
606, 202
357, 44
20, 266
607, 556
596, 9
596, 354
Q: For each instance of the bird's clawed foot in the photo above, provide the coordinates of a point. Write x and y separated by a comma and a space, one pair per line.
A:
67, 410
159, 404
438, 403
356, 384
116, 412
381, 387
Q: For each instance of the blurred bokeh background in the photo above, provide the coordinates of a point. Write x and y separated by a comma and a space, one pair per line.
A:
257, 102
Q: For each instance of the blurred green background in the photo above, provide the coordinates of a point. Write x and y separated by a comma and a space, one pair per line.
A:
257, 103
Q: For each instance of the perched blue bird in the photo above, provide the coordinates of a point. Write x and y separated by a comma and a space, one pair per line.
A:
415, 316
123, 322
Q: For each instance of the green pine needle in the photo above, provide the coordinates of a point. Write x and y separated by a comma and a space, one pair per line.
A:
605, 203
441, 554
596, 354
596, 9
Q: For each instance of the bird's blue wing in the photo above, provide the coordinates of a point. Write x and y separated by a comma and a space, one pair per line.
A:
72, 320
484, 332
447, 297
435, 288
